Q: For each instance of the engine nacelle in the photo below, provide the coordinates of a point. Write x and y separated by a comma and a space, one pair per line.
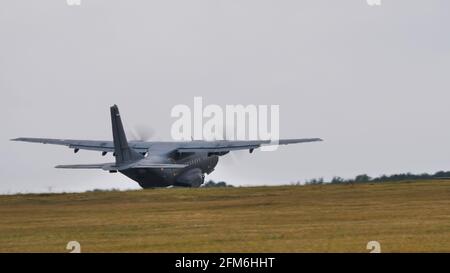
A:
191, 178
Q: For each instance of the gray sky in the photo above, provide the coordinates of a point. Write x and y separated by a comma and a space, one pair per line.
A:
372, 81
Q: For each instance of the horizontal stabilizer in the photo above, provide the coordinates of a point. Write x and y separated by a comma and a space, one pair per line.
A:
114, 167
82, 166
158, 166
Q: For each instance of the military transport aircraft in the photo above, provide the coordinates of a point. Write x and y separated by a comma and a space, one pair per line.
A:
156, 163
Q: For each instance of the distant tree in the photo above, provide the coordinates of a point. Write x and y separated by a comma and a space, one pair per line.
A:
337, 180
212, 184
381, 178
362, 178
442, 174
314, 181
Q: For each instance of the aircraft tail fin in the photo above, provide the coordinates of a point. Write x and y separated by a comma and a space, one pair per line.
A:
121, 148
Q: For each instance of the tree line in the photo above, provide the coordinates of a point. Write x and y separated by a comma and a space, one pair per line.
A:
364, 178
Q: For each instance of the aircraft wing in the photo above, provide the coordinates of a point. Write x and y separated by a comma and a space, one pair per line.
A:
226, 146
93, 145
216, 146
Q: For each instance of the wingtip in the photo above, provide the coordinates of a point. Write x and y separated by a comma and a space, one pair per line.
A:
15, 139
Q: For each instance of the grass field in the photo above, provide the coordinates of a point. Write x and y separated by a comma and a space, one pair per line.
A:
403, 217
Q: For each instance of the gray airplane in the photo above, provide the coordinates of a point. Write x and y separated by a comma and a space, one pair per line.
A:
156, 163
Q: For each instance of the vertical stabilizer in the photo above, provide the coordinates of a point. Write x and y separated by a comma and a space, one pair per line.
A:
123, 152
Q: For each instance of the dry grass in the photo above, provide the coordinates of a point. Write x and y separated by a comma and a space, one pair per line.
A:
403, 217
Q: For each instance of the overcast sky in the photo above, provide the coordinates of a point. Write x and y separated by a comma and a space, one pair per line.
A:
372, 81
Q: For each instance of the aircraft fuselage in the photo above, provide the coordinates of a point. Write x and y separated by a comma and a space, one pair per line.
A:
191, 176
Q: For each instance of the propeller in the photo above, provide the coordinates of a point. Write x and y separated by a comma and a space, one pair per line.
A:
233, 157
142, 133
